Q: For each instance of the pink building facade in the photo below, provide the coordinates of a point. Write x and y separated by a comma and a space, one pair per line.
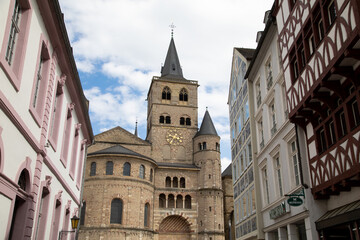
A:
44, 122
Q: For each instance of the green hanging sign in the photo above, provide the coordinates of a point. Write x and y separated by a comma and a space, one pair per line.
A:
295, 201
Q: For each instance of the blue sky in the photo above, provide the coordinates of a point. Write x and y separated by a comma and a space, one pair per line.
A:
119, 45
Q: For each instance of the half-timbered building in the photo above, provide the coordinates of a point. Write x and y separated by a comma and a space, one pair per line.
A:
320, 50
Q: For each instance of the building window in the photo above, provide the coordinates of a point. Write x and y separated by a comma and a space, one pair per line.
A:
179, 201
167, 120
331, 130
200, 146
15, 40
142, 172
188, 122
56, 112
166, 93
353, 110
217, 146
126, 169
66, 136
162, 201
183, 96
171, 201
273, 119
278, 175
109, 168
168, 182
151, 175
182, 182
116, 211
295, 161
261, 134
175, 182
146, 215
162, 119
188, 201
341, 123
266, 185
258, 93
182, 121
93, 169
268, 72
331, 11
204, 146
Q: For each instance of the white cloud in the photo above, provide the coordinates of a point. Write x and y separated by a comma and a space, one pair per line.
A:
127, 41
225, 163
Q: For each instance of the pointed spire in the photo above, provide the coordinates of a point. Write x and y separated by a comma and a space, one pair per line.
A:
136, 132
172, 66
207, 126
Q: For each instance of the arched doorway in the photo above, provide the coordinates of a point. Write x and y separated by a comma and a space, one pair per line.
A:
174, 227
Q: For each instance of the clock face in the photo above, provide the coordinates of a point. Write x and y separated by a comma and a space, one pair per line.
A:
174, 137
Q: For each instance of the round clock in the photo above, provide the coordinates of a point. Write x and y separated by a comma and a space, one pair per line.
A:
174, 137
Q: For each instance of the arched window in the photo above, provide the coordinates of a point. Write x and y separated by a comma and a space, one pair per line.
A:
182, 121
82, 214
188, 121
182, 182
109, 168
204, 145
166, 93
162, 119
175, 182
171, 203
22, 180
168, 182
179, 201
151, 175
167, 120
200, 146
126, 169
162, 201
116, 211
142, 172
188, 201
93, 169
146, 215
183, 95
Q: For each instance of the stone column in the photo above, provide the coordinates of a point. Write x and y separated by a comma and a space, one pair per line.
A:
292, 232
282, 233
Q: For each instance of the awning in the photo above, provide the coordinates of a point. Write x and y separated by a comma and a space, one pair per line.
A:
340, 215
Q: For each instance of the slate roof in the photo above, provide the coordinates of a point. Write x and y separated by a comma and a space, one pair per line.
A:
207, 126
178, 165
227, 171
172, 67
248, 53
118, 149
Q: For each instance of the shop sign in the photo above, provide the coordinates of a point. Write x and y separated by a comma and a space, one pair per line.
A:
295, 201
278, 211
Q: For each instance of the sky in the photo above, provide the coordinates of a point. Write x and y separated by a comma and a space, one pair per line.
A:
119, 45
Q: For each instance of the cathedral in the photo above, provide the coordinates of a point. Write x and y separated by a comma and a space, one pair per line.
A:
167, 186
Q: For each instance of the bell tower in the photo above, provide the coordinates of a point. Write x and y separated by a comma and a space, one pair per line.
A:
172, 112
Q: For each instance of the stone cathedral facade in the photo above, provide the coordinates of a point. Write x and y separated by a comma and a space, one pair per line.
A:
167, 186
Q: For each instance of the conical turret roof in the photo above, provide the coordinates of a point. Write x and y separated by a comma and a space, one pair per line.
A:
207, 126
172, 66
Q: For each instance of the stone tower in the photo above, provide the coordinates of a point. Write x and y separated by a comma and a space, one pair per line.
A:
210, 193
172, 112
165, 187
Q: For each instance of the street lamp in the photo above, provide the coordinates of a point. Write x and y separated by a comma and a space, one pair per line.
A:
74, 225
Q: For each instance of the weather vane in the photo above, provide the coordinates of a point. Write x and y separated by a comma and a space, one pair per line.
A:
172, 26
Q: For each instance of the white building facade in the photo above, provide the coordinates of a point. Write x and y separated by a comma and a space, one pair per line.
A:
44, 122
276, 145
246, 217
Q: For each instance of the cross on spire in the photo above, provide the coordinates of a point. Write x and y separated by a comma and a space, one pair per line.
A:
172, 26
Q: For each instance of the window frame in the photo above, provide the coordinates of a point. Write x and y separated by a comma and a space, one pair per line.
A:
15, 69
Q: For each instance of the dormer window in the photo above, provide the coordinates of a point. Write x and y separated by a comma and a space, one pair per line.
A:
183, 95
166, 93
